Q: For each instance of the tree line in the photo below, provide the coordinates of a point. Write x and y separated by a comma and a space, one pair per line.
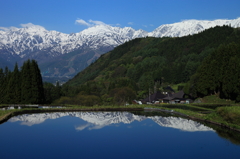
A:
25, 85
205, 61
218, 74
146, 65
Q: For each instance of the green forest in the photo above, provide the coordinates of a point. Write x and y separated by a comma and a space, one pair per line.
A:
25, 86
203, 64
219, 73
144, 65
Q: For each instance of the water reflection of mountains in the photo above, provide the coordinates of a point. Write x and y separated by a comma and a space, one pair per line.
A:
98, 120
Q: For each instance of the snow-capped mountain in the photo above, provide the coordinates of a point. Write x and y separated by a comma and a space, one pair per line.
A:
34, 38
50, 47
189, 27
98, 120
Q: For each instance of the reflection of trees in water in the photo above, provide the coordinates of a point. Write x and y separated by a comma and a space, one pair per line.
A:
231, 135
228, 134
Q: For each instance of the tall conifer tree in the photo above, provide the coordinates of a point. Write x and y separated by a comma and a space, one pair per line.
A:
13, 93
1, 84
36, 84
26, 93
7, 74
23, 86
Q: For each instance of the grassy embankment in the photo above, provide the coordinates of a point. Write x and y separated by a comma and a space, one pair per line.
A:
226, 115
213, 109
217, 110
6, 114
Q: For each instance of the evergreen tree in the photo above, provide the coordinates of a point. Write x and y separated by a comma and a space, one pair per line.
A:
6, 78
1, 85
32, 86
13, 92
219, 73
26, 93
23, 86
37, 90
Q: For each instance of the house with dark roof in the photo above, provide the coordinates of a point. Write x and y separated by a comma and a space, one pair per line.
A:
167, 97
176, 98
154, 97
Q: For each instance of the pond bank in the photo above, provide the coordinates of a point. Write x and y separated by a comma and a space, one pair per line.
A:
5, 117
193, 118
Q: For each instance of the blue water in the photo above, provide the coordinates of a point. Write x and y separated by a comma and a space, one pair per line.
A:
73, 137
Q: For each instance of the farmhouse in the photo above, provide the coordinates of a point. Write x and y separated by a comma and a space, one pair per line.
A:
167, 97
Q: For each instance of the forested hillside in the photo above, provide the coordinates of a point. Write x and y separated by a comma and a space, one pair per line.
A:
145, 64
219, 74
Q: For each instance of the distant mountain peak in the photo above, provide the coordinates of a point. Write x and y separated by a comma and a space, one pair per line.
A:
191, 26
34, 37
34, 41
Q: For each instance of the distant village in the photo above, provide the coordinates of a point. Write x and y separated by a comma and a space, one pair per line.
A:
168, 96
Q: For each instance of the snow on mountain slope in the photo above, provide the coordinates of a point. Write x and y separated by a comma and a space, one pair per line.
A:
98, 120
190, 27
33, 38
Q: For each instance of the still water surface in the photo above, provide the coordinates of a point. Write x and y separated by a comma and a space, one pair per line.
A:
111, 135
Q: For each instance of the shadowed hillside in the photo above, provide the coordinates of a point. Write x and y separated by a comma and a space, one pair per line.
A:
148, 64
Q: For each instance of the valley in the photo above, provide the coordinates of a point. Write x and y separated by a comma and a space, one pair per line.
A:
62, 56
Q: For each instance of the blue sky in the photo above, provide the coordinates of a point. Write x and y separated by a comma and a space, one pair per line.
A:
68, 16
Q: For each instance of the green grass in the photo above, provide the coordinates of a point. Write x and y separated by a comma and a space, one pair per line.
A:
102, 106
215, 99
175, 86
219, 113
186, 107
4, 112
227, 115
230, 114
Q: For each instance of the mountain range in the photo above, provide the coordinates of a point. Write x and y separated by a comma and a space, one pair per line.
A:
98, 120
64, 55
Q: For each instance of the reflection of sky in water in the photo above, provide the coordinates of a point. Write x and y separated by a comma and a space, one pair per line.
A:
98, 120
109, 135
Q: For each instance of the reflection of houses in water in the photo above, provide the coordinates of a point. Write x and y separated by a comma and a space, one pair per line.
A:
167, 97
